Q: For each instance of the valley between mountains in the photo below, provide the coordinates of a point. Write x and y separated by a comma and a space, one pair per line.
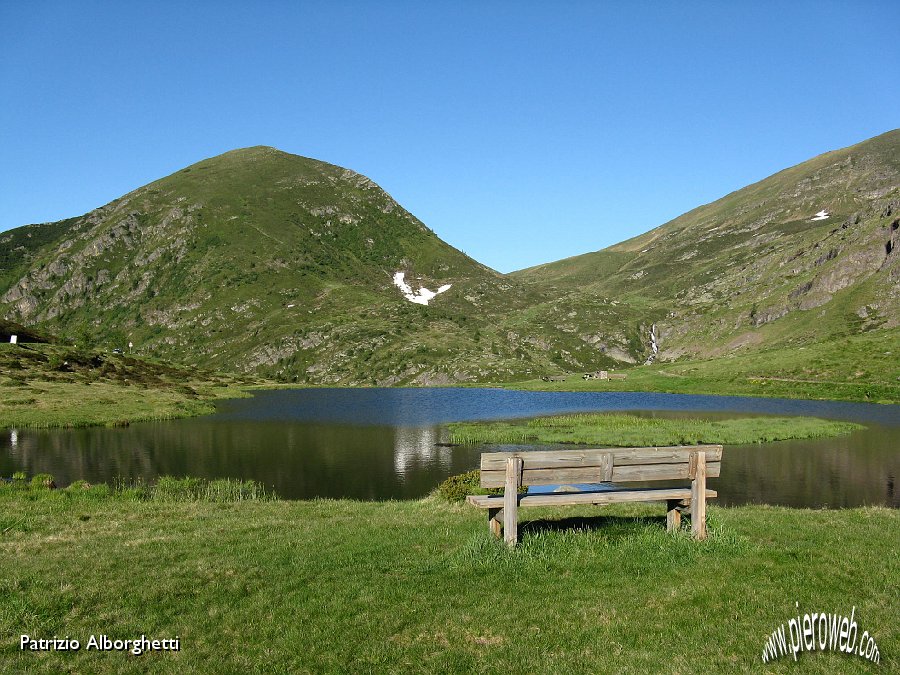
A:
281, 267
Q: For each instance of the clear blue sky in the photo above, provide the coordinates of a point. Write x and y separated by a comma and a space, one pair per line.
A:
519, 132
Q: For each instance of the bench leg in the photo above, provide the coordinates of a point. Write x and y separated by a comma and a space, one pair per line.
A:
698, 499
495, 522
673, 515
511, 500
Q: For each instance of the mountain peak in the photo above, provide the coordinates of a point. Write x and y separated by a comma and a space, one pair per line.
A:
245, 260
261, 260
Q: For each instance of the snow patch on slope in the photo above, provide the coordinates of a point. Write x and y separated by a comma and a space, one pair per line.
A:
420, 297
821, 215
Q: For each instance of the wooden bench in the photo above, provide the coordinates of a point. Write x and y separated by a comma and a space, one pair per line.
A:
511, 470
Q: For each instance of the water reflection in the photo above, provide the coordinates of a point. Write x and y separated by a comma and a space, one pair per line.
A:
852, 470
297, 460
322, 443
417, 447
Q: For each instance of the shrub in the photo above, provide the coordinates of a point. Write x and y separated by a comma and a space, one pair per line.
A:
455, 488
43, 480
57, 362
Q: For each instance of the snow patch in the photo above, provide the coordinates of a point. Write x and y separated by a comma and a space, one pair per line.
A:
821, 215
420, 297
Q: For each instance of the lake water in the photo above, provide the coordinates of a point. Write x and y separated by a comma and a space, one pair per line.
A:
387, 444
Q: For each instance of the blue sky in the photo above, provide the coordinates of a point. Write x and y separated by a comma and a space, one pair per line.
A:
519, 132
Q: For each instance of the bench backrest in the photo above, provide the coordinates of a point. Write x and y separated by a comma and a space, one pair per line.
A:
617, 465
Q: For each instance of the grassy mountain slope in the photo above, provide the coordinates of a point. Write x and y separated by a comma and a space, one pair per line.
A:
756, 269
265, 262
49, 385
257, 260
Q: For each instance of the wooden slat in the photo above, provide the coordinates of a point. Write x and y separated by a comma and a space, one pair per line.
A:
598, 474
496, 461
573, 498
624, 474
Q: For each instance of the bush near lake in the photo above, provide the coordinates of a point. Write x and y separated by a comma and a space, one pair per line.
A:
455, 488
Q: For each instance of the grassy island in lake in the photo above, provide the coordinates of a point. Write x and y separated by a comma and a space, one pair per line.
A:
632, 430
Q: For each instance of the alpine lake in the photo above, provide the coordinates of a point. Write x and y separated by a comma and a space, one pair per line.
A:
381, 444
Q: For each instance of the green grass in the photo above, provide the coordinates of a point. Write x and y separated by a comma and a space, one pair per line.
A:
344, 586
668, 378
631, 430
857, 368
99, 404
59, 386
165, 489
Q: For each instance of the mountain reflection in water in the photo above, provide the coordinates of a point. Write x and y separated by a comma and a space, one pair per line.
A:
327, 443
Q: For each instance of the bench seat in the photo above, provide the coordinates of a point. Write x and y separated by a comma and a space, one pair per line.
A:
598, 498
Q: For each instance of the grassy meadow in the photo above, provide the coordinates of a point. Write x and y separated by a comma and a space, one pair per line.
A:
251, 583
55, 385
44, 385
859, 368
418, 586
